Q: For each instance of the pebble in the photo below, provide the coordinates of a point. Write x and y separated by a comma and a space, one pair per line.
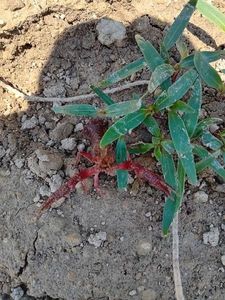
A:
19, 162
211, 237
79, 127
132, 293
2, 151
144, 248
220, 188
17, 293
55, 182
213, 128
110, 31
200, 197
97, 239
80, 147
223, 259
148, 294
44, 191
68, 144
73, 239
29, 123
49, 161
61, 131
2, 23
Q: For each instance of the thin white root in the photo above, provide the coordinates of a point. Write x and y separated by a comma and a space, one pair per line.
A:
31, 98
176, 265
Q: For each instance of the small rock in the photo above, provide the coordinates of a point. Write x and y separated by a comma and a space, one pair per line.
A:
14, 5
4, 172
19, 162
213, 128
68, 144
61, 131
200, 197
2, 151
79, 127
2, 23
85, 186
144, 248
223, 259
97, 239
44, 191
211, 237
133, 293
29, 123
148, 294
73, 239
55, 183
37, 198
70, 167
49, 161
110, 31
17, 293
80, 147
220, 188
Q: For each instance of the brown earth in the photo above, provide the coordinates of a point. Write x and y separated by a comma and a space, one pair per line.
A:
91, 247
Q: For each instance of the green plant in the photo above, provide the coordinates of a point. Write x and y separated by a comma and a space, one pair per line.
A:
184, 147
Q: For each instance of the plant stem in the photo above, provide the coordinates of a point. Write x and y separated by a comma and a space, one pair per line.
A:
176, 265
31, 98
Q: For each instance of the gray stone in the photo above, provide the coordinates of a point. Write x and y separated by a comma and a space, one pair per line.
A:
144, 247
211, 237
29, 123
44, 191
72, 238
220, 188
148, 294
133, 293
97, 239
68, 144
55, 182
19, 162
17, 293
2, 151
61, 131
223, 259
79, 127
49, 161
110, 31
80, 147
200, 197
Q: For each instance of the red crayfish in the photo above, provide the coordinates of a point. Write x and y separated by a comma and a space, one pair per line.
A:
103, 162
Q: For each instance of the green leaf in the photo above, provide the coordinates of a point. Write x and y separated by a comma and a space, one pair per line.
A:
160, 75
141, 148
178, 26
211, 13
122, 127
168, 146
121, 108
105, 98
208, 74
152, 126
168, 168
151, 55
76, 110
223, 156
191, 118
204, 163
182, 145
215, 165
177, 90
209, 56
202, 125
121, 156
182, 107
173, 202
123, 73
182, 48
211, 141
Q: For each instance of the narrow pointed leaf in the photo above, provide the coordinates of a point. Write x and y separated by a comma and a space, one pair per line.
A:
211, 141
122, 127
182, 107
213, 14
182, 48
160, 75
223, 156
77, 110
168, 146
152, 126
168, 168
151, 55
208, 74
209, 56
215, 164
121, 108
202, 125
104, 97
182, 145
179, 25
177, 90
191, 118
141, 148
204, 164
121, 156
123, 73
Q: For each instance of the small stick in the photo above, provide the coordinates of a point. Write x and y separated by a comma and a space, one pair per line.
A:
176, 265
31, 98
